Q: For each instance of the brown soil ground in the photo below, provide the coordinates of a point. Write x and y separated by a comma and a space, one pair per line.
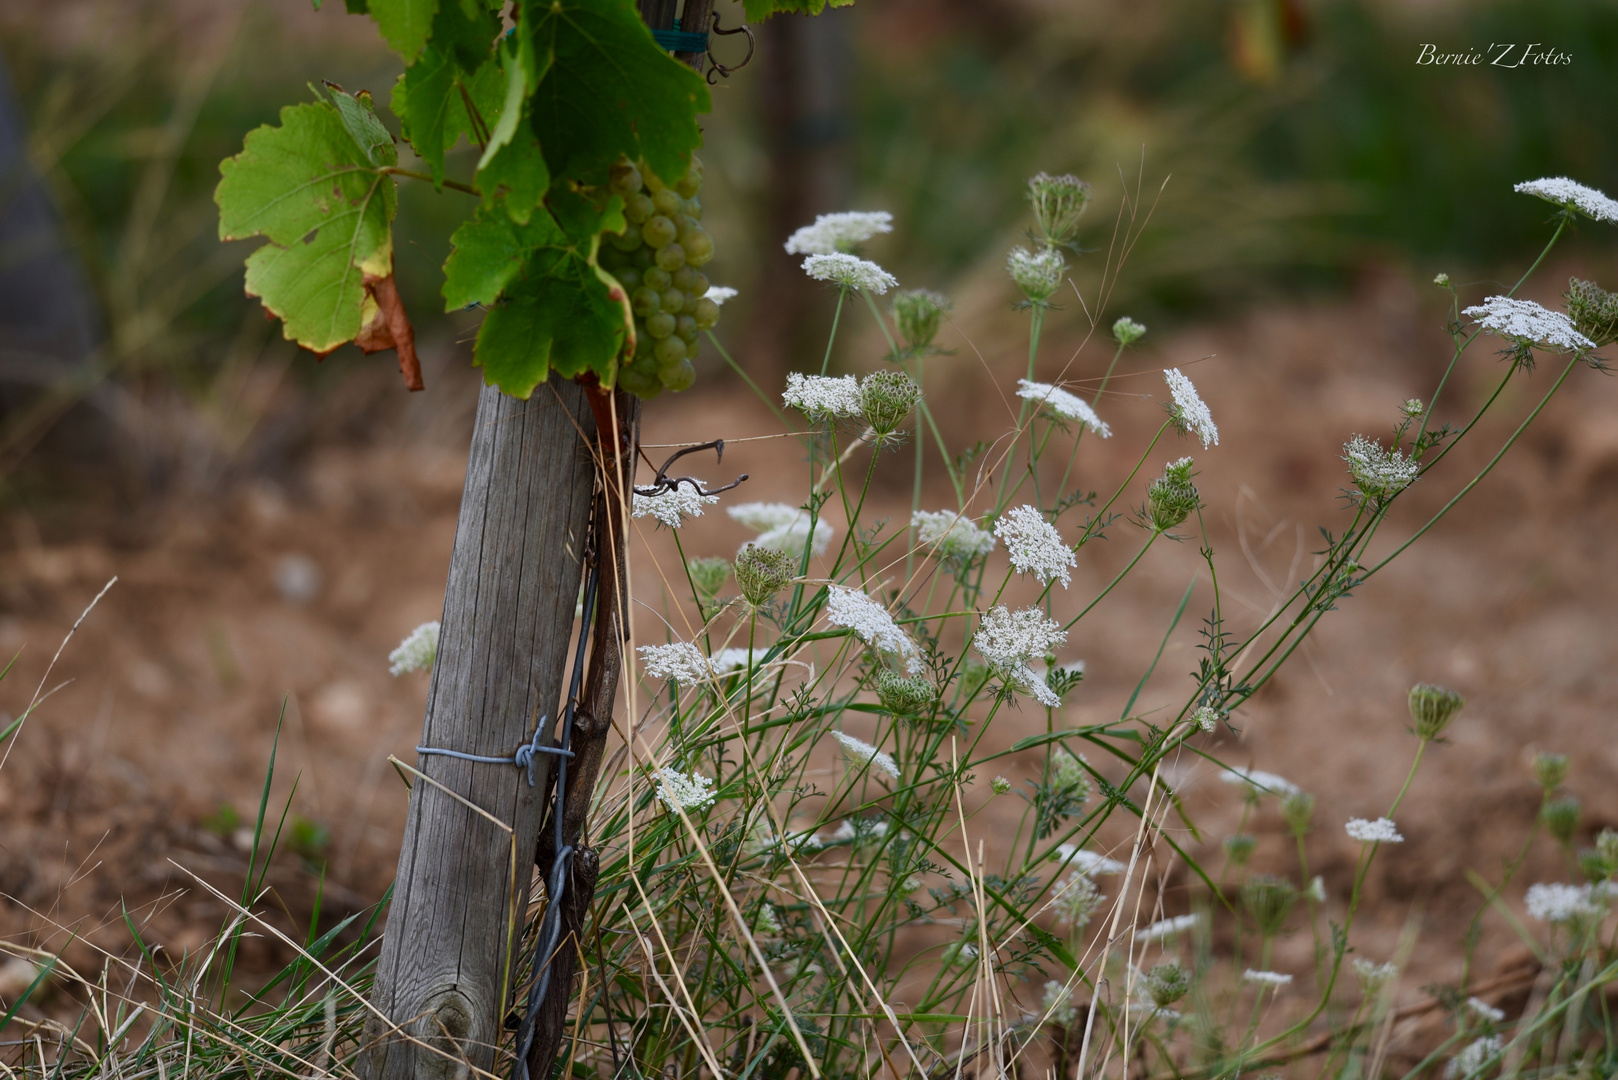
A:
293, 588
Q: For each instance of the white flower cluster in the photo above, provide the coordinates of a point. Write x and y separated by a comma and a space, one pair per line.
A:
1068, 772
1037, 273
1266, 978
720, 293
782, 527
727, 660
679, 660
1008, 640
1528, 323
1316, 889
871, 621
1206, 717
832, 233
1057, 1006
678, 791
1474, 1058
1558, 902
417, 651
1259, 782
1034, 545
1127, 331
860, 752
1086, 862
1380, 831
1076, 900
850, 271
823, 395
1179, 924
1067, 406
951, 535
671, 507
1378, 473
1484, 1010
1188, 412
1573, 195
767, 922
1372, 974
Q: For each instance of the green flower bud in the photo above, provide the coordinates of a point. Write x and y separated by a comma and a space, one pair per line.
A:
1167, 983
1441, 279
1594, 311
1594, 865
1058, 203
1607, 844
1127, 331
1561, 818
1432, 708
708, 575
1037, 273
902, 696
1000, 785
1239, 848
1550, 770
918, 313
1297, 809
1413, 408
1172, 497
886, 398
761, 573
1269, 900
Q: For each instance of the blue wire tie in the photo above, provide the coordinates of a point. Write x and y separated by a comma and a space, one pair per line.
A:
678, 40
524, 757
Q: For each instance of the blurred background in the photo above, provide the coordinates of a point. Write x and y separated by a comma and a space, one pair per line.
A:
1295, 178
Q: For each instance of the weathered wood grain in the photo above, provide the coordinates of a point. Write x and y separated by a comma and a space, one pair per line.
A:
443, 978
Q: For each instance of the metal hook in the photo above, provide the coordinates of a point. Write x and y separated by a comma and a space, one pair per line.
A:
662, 482
715, 67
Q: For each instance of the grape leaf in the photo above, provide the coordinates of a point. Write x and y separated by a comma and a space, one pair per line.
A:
488, 251
430, 101
759, 10
359, 117
603, 88
327, 211
406, 24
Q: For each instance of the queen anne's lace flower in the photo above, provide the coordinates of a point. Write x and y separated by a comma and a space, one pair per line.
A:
1188, 412
822, 395
1475, 1058
1557, 902
1573, 195
1085, 862
678, 791
1007, 639
1127, 331
728, 660
951, 535
1067, 406
1484, 1010
782, 527
1057, 1006
1378, 473
1380, 831
671, 507
1037, 273
1266, 978
1528, 323
1034, 545
720, 293
417, 651
1260, 782
1076, 899
861, 752
871, 621
851, 272
766, 922
679, 660
1168, 927
832, 233
1372, 974
1206, 718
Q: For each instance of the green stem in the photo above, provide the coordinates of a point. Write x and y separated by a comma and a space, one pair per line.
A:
394, 170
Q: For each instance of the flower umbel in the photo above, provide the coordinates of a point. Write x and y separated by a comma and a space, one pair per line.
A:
1173, 497
1187, 410
1380, 831
1168, 927
862, 753
1008, 640
1076, 900
1127, 331
1528, 324
1274, 979
886, 398
1432, 708
918, 313
850, 272
678, 791
417, 651
840, 232
1560, 903
783, 528
673, 506
1034, 545
951, 535
1259, 782
1057, 1005
679, 660
1571, 195
903, 696
1063, 404
1037, 273
871, 621
1058, 203
762, 572
822, 396
1379, 474
1476, 1057
708, 575
1594, 311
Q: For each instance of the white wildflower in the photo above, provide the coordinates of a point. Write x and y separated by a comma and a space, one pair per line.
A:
1068, 772
1000, 785
720, 293
1076, 900
1484, 1010
1573, 195
782, 527
951, 535
1148, 1012
1127, 331
1009, 639
1067, 406
679, 660
1372, 974
1378, 473
1206, 717
1057, 1006
832, 233
1037, 273
678, 791
1034, 685
1528, 323
850, 272
1188, 412
860, 752
1266, 978
766, 921
1557, 902
1380, 831
671, 507
727, 660
1478, 1055
1441, 279
1086, 862
804, 841
822, 395
1316, 890
1259, 782
1034, 545
1168, 927
417, 651
871, 621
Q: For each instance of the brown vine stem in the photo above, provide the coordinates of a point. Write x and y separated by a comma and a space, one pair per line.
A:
394, 170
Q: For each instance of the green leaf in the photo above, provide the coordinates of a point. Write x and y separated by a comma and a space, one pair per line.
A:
359, 117
466, 30
430, 101
488, 251
512, 171
759, 10
605, 88
406, 24
327, 210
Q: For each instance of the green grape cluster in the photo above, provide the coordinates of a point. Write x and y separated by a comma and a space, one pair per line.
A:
658, 260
